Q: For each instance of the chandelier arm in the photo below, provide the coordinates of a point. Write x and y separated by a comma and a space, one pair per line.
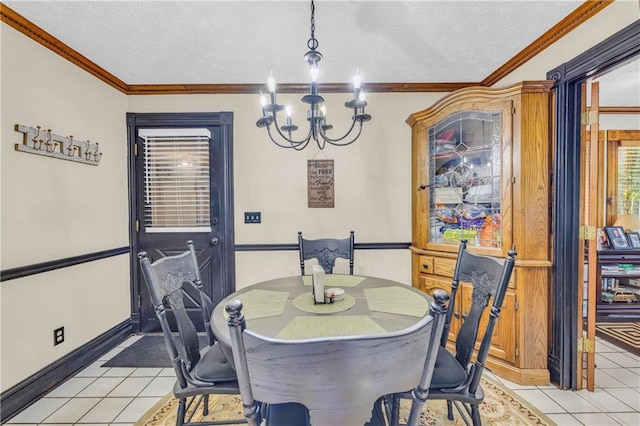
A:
337, 143
334, 141
297, 145
304, 141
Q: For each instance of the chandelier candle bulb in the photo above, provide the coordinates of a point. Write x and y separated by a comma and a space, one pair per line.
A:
288, 115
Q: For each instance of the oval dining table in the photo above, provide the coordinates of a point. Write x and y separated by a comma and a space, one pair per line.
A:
283, 308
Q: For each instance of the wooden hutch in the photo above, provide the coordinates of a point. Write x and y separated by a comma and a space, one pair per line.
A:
480, 171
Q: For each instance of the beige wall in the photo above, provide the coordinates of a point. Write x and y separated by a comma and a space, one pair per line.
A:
372, 176
53, 209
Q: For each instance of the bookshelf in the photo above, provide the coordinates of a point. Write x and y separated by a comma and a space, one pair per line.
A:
617, 268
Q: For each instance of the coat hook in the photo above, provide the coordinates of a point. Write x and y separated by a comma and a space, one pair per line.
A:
48, 142
87, 153
71, 148
97, 156
37, 144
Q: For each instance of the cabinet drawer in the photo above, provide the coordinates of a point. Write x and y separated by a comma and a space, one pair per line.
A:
426, 265
429, 283
444, 267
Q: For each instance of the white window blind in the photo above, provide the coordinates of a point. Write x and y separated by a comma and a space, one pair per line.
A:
629, 179
176, 180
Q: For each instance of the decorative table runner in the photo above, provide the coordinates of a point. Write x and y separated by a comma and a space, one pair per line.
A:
331, 280
262, 303
308, 327
396, 300
304, 302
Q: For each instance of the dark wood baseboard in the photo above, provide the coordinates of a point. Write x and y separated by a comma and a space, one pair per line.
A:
28, 391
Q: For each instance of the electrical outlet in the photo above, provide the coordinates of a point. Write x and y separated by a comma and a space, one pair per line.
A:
58, 336
252, 217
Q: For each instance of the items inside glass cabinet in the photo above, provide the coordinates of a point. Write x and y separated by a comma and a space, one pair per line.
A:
464, 178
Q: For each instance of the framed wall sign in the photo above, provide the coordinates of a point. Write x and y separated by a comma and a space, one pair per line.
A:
320, 183
617, 237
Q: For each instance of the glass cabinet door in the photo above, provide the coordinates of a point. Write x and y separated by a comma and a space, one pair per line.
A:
464, 172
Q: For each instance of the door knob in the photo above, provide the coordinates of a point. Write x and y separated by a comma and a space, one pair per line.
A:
214, 241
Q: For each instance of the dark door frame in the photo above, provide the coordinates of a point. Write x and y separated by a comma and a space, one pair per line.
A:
611, 53
202, 119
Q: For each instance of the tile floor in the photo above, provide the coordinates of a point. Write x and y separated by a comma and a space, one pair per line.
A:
99, 396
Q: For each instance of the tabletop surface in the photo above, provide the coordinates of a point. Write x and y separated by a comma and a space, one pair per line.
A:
283, 308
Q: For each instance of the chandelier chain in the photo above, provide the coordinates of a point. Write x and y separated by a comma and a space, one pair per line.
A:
313, 42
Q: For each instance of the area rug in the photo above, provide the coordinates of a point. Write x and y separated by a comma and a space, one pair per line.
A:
500, 408
148, 351
623, 334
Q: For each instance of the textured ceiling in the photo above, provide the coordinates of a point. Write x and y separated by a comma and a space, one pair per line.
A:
226, 42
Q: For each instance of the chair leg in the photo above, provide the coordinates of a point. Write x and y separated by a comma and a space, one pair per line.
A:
395, 411
475, 415
205, 406
181, 411
449, 410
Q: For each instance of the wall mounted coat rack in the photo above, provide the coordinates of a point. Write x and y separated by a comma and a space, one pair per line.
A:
43, 142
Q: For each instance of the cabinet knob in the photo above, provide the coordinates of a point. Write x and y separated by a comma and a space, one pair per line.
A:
425, 266
214, 241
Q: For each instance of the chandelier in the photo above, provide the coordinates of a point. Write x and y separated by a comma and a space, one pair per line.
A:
317, 113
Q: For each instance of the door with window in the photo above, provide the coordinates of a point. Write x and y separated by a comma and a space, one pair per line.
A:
181, 189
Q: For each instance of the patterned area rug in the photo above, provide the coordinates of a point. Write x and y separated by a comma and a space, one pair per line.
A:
500, 408
623, 334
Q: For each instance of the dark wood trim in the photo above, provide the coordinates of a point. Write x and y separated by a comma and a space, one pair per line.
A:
29, 29
24, 271
561, 29
28, 391
616, 51
26, 27
356, 246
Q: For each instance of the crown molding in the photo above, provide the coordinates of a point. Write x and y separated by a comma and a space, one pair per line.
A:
193, 89
619, 110
576, 18
26, 27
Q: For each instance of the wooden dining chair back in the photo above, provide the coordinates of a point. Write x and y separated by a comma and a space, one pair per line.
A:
456, 376
199, 372
337, 379
326, 251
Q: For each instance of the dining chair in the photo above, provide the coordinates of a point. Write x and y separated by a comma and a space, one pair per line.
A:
456, 376
337, 380
326, 251
199, 372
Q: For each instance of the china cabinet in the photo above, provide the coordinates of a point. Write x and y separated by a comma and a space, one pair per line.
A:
480, 172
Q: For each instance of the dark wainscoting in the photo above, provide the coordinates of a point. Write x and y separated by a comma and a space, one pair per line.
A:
28, 391
37, 268
356, 246
25, 393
